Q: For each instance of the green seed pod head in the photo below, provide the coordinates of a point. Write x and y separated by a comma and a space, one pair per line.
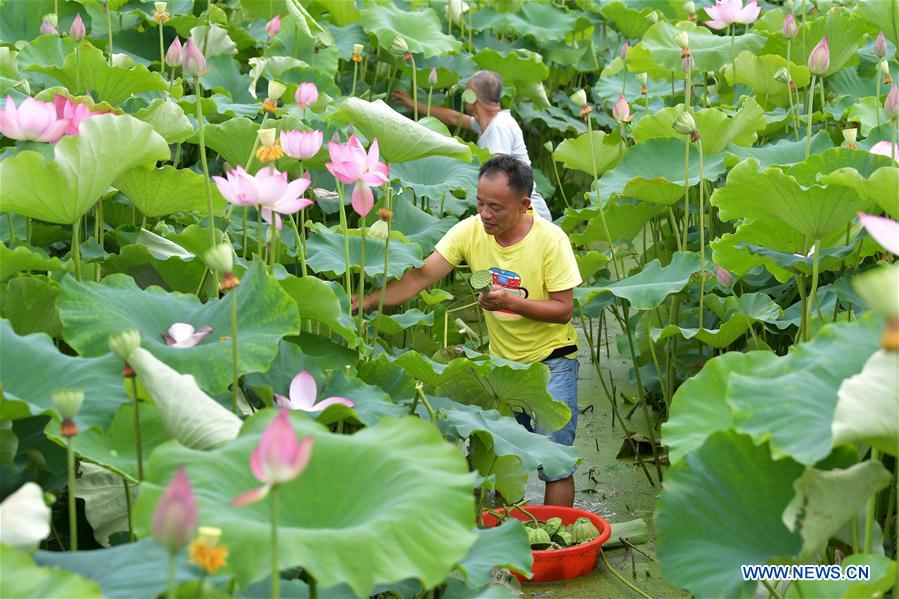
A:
399, 45
782, 75
68, 401
220, 258
685, 124
378, 230
579, 98
469, 97
481, 279
583, 530
124, 343
538, 538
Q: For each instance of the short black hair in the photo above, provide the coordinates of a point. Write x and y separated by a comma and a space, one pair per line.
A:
488, 86
519, 174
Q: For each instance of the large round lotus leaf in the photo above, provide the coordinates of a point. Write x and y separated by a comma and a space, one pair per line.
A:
324, 250
813, 169
61, 190
419, 226
264, 314
624, 218
420, 28
30, 368
319, 301
576, 152
415, 521
865, 113
631, 22
20, 577
716, 128
399, 139
710, 51
880, 186
721, 508
127, 571
168, 119
653, 171
867, 409
815, 211
544, 22
881, 15
608, 87
514, 65
757, 72
437, 176
161, 191
23, 258
504, 546
783, 153
92, 73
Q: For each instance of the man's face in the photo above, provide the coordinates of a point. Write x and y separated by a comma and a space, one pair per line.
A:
499, 206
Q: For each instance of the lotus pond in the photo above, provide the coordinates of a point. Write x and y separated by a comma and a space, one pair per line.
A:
193, 192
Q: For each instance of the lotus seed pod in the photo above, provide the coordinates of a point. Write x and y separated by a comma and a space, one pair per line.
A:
682, 39
538, 538
399, 45
276, 89
378, 230
653, 17
122, 60
884, 67
357, 48
642, 78
850, 136
124, 343
209, 535
548, 146
579, 98
267, 136
68, 402
469, 97
161, 6
583, 530
220, 258
684, 124
782, 75
689, 7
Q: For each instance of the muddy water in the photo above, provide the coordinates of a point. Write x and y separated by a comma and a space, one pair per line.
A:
618, 490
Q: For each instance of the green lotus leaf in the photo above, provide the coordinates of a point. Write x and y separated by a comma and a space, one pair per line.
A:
419, 226
576, 153
552, 117
265, 313
513, 66
831, 257
704, 535
883, 576
647, 289
319, 301
591, 263
815, 211
400, 139
880, 186
783, 153
844, 31
420, 28
865, 113
312, 30
30, 368
324, 250
23, 258
631, 22
104, 500
128, 571
736, 315
503, 474
20, 577
881, 15
625, 219
340, 13
168, 119
416, 522
162, 191
826, 499
867, 408
714, 126
394, 324
653, 171
875, 287
710, 51
813, 169
608, 87
61, 190
542, 21
437, 176
492, 383
509, 438
504, 546
214, 41
92, 73
29, 303
757, 73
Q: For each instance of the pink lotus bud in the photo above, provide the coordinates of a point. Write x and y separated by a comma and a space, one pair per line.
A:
175, 520
432, 77
175, 54
194, 63
819, 59
624, 48
274, 26
789, 29
622, 111
724, 278
880, 45
77, 30
306, 95
891, 105
47, 28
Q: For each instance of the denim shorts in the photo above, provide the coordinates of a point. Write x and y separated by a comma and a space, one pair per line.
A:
563, 387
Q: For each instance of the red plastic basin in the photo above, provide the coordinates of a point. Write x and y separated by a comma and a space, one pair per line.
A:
561, 564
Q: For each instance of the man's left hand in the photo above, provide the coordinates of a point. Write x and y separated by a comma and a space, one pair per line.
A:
495, 299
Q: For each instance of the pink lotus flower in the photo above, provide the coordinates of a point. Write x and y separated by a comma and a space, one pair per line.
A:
34, 120
175, 520
273, 27
819, 59
77, 30
350, 164
238, 187
303, 392
277, 196
789, 28
278, 458
174, 56
307, 95
74, 113
193, 63
886, 148
47, 28
885, 231
301, 144
622, 111
880, 45
891, 105
727, 12
182, 335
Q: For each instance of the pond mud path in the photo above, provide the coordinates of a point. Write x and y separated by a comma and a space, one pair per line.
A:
616, 489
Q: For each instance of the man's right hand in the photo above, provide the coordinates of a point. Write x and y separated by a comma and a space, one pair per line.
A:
403, 98
354, 305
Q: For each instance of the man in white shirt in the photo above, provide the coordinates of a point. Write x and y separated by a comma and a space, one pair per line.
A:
497, 130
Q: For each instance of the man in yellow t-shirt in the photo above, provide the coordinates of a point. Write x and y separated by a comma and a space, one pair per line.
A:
529, 306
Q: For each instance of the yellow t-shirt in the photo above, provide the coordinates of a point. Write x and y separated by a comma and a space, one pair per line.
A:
538, 264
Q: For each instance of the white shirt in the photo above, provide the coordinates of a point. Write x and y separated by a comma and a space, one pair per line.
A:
503, 136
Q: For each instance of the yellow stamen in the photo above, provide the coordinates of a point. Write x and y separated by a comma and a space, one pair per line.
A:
269, 153
207, 556
270, 105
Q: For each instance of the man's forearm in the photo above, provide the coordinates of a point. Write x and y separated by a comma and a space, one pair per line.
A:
448, 116
551, 311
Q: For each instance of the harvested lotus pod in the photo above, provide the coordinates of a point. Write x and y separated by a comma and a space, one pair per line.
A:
563, 537
583, 530
553, 525
481, 279
538, 538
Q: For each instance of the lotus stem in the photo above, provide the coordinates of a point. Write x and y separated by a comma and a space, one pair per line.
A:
414, 87
301, 252
823, 112
559, 183
431, 91
347, 276
276, 572
869, 512
686, 189
172, 580
420, 396
161, 51
387, 205
361, 289
246, 215
76, 244
273, 248
895, 151
138, 449
108, 30
198, 88
701, 219
878, 98
602, 211
73, 515
355, 73
808, 130
812, 294
733, 57
128, 508
235, 383
78, 71
313, 588
260, 238
624, 580
793, 116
